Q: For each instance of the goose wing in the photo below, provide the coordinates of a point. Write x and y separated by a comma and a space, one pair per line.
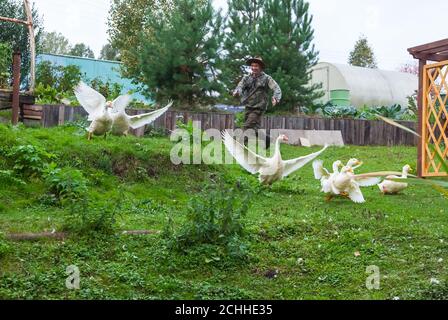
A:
355, 194
91, 100
141, 120
319, 170
373, 178
246, 158
296, 164
120, 104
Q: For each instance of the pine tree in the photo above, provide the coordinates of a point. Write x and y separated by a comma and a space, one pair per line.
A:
242, 23
282, 35
178, 61
362, 54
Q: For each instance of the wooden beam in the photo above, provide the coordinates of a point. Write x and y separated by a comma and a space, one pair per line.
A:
429, 46
420, 104
16, 88
14, 20
431, 57
32, 40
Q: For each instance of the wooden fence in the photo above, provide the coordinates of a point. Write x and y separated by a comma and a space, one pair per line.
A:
354, 132
6, 99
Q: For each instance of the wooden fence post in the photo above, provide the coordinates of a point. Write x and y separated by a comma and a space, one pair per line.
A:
420, 105
61, 115
16, 87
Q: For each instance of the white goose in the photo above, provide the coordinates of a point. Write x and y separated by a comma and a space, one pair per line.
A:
388, 186
123, 122
325, 177
98, 109
322, 174
271, 169
345, 182
354, 163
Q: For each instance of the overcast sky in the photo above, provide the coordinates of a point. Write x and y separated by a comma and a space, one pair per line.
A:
391, 26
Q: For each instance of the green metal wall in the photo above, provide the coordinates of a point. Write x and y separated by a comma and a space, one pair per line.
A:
92, 68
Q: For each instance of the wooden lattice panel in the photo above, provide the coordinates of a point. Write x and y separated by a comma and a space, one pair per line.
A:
435, 119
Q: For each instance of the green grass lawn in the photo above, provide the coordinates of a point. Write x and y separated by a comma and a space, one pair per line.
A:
290, 228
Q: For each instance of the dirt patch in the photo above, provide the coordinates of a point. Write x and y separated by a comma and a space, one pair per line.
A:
123, 166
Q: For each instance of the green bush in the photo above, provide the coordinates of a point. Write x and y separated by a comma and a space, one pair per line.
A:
55, 84
215, 217
66, 184
46, 94
8, 176
395, 112
108, 89
239, 119
333, 112
5, 64
62, 78
87, 217
28, 160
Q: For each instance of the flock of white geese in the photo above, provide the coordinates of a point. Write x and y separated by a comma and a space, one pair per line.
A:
110, 117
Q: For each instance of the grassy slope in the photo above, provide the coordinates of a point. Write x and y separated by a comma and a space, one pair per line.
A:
404, 235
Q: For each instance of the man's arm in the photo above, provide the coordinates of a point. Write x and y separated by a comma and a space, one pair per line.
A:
273, 85
239, 89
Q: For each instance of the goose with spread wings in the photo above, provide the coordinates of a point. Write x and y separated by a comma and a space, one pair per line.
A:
345, 182
98, 109
271, 169
123, 122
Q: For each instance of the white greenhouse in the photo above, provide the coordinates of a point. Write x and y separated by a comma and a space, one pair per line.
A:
356, 86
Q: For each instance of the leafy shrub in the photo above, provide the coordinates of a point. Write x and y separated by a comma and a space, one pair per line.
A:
332, 111
108, 89
239, 119
215, 217
55, 84
28, 160
66, 183
46, 94
5, 64
412, 103
87, 217
62, 78
9, 176
396, 112
392, 112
